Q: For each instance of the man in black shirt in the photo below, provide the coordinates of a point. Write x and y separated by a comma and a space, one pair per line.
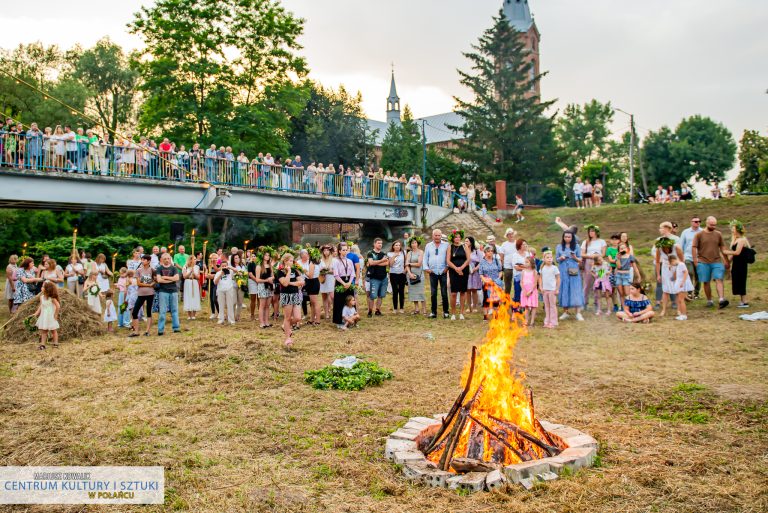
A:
377, 273
167, 276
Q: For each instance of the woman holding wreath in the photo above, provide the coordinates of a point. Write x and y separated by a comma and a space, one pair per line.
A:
343, 274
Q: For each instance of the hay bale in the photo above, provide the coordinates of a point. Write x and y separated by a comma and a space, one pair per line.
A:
76, 320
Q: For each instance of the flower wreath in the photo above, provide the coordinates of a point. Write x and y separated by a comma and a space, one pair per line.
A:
418, 238
261, 251
454, 233
94, 290
664, 243
735, 223
592, 227
30, 323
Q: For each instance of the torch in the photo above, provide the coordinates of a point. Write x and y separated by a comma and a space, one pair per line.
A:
192, 252
245, 246
24, 249
114, 257
74, 242
205, 266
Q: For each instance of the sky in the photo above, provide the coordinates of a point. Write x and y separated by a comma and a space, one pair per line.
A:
661, 60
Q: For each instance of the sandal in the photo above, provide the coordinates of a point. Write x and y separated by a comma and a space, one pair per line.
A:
289, 343
41, 347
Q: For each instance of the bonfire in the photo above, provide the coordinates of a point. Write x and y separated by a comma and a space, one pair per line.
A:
493, 420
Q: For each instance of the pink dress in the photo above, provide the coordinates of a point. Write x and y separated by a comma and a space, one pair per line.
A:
527, 285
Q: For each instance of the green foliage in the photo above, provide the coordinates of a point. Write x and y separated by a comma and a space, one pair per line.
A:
220, 68
361, 375
582, 133
105, 71
331, 127
552, 196
61, 247
753, 157
507, 133
402, 149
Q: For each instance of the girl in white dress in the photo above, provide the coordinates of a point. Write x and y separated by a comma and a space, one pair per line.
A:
47, 314
92, 293
191, 274
681, 285
102, 280
110, 312
327, 282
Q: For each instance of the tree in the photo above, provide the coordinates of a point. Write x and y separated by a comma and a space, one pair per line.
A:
582, 133
704, 148
105, 70
402, 149
753, 156
507, 135
661, 159
332, 128
218, 68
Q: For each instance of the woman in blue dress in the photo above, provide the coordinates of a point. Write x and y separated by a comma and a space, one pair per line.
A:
568, 256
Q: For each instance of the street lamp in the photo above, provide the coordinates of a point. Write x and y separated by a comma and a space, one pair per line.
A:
631, 154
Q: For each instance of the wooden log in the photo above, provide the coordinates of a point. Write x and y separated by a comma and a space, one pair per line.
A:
514, 428
499, 450
465, 465
453, 440
456, 405
476, 445
499, 438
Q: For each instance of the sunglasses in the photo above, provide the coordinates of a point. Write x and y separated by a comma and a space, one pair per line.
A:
696, 221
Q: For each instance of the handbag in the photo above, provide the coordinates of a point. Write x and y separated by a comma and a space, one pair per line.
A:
81, 279
414, 281
572, 271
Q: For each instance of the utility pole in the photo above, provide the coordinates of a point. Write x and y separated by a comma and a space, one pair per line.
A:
365, 147
424, 172
632, 158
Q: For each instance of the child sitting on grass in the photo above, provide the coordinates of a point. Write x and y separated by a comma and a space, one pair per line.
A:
349, 313
637, 306
47, 315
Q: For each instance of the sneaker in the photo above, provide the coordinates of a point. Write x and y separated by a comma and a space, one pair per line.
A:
565, 317
213, 316
598, 312
232, 323
445, 315
579, 317
461, 317
681, 318
723, 303
160, 334
742, 305
615, 308
378, 313
430, 316
220, 322
177, 331
710, 303
370, 313
453, 317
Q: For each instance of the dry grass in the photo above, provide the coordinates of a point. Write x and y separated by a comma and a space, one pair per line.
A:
679, 409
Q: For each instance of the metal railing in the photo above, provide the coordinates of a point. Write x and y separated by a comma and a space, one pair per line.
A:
54, 153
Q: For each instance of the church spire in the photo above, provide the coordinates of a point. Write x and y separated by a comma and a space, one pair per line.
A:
519, 14
393, 102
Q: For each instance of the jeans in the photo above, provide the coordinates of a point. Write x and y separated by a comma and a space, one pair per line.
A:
694, 276
442, 279
168, 301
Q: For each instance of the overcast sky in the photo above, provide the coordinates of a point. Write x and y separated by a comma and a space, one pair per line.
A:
659, 59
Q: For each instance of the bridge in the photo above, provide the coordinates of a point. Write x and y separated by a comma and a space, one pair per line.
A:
291, 197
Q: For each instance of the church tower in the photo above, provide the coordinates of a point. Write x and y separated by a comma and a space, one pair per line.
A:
519, 15
393, 103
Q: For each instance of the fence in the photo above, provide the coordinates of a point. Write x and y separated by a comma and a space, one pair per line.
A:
42, 152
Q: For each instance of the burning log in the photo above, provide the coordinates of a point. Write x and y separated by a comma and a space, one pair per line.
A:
551, 451
453, 440
456, 405
466, 465
500, 439
476, 445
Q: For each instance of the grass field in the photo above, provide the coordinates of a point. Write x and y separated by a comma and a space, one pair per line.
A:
680, 409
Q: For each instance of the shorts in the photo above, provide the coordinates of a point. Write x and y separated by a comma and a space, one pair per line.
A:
290, 299
578, 196
378, 289
623, 279
587, 195
709, 272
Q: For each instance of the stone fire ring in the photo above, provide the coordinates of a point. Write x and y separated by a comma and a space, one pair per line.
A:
402, 448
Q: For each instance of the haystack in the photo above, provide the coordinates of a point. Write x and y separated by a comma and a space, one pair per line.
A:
76, 320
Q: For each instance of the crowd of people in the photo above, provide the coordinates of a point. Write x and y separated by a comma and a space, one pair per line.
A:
304, 285
67, 150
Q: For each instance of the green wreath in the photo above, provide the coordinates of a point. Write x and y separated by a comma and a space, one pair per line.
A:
664, 243
94, 290
418, 238
454, 233
261, 251
592, 227
735, 223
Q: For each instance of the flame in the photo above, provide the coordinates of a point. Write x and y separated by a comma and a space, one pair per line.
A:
503, 395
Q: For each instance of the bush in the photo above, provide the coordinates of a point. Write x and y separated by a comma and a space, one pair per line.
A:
553, 196
361, 375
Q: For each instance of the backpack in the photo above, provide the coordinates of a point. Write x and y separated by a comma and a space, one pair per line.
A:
749, 254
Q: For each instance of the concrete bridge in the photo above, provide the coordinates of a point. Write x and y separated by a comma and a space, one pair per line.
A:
63, 191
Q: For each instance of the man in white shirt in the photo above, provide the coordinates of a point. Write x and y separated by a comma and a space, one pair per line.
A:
686, 242
436, 267
578, 193
507, 251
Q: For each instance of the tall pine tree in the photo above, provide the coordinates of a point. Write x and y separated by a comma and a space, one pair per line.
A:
401, 150
507, 134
